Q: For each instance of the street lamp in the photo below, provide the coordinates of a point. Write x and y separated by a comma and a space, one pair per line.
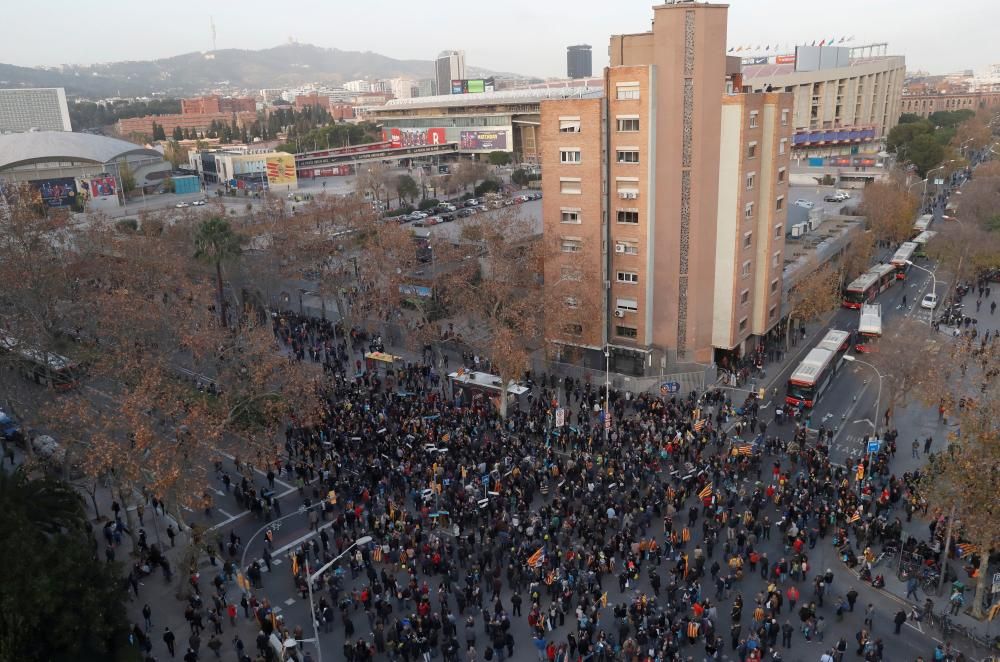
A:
310, 578
940, 167
919, 181
607, 391
878, 403
933, 278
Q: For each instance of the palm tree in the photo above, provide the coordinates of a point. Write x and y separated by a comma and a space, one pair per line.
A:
215, 243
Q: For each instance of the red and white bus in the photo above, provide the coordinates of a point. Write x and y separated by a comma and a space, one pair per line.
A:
902, 257
43, 368
812, 376
869, 285
869, 328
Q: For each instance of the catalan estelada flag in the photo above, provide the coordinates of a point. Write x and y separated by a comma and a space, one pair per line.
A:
536, 558
604, 599
705, 492
965, 549
854, 518
743, 449
699, 425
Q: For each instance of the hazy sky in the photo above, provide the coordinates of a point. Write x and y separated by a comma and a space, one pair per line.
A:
522, 36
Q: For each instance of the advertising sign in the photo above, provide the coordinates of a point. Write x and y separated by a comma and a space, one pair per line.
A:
102, 186
784, 59
280, 169
755, 60
560, 417
58, 192
416, 137
472, 85
485, 140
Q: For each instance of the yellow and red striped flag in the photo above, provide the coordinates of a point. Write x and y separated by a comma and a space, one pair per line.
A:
536, 558
705, 492
855, 517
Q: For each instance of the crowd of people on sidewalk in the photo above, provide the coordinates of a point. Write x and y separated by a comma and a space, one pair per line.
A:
619, 539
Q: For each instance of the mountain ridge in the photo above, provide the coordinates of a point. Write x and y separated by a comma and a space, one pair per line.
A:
286, 65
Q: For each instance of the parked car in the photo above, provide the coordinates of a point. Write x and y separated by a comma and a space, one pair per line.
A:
182, 205
198, 203
832, 197
419, 214
930, 301
447, 218
807, 204
465, 213
472, 202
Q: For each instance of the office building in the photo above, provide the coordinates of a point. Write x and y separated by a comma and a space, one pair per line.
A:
42, 109
200, 123
846, 100
579, 63
450, 65
214, 103
666, 194
403, 88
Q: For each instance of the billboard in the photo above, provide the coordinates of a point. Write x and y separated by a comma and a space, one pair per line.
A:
280, 169
58, 192
102, 186
755, 60
416, 137
784, 59
475, 140
472, 85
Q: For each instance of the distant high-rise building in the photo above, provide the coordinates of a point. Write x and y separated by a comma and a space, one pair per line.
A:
358, 86
579, 63
42, 108
450, 66
402, 88
426, 87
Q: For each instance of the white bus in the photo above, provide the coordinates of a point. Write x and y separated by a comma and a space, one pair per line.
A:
922, 224
901, 258
812, 376
869, 328
921, 241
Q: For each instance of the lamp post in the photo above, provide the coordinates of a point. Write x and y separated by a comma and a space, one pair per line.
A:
933, 280
940, 167
310, 578
246, 548
607, 391
878, 404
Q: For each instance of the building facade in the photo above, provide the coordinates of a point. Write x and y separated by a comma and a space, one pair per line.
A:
664, 194
843, 105
579, 62
449, 66
196, 122
42, 109
933, 102
214, 103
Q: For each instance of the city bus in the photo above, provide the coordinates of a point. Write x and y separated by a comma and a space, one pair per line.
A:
902, 257
921, 241
869, 328
812, 376
869, 285
922, 224
44, 368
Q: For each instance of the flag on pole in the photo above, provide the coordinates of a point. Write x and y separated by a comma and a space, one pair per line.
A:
731, 49
699, 425
822, 42
377, 554
536, 559
743, 449
965, 549
854, 518
705, 492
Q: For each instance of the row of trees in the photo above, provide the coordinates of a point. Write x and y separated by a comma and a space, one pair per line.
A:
90, 115
942, 138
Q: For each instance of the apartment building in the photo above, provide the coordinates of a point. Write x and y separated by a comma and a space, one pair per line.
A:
665, 195
213, 103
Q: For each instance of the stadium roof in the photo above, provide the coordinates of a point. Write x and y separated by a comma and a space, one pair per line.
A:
45, 146
491, 98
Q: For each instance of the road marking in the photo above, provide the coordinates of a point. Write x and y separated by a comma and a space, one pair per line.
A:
290, 601
850, 410
262, 473
298, 541
225, 513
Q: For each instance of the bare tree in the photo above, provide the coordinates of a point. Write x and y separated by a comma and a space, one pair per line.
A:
889, 211
814, 295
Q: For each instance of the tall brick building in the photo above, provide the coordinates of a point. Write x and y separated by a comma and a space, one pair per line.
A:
213, 103
668, 196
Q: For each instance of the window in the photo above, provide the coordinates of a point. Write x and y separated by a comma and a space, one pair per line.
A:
748, 240
627, 187
628, 216
570, 273
774, 285
782, 145
628, 124
628, 305
627, 247
628, 277
745, 297
778, 230
569, 186
570, 216
779, 204
743, 324
784, 117
626, 331
753, 119
772, 312
776, 259
570, 245
745, 270
569, 125
752, 150
751, 178
569, 156
627, 91
572, 302
781, 175
748, 210
627, 156
573, 329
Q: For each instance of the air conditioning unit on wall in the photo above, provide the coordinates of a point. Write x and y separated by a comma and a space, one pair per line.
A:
619, 313
619, 248
628, 195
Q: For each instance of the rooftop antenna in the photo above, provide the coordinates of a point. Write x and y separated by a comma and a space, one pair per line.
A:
211, 20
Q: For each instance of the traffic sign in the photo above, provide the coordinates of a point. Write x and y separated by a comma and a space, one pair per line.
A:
996, 583
874, 445
560, 417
